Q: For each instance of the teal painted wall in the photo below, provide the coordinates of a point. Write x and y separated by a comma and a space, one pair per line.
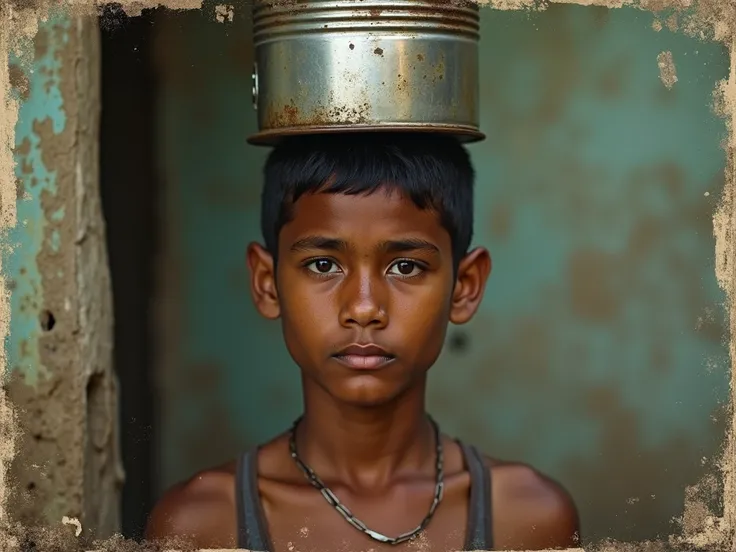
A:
36, 87
598, 355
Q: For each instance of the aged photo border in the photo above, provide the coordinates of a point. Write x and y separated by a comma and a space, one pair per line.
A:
710, 20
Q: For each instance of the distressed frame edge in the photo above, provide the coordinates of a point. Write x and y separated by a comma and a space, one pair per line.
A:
18, 24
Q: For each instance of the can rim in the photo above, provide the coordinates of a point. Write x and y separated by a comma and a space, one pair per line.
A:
272, 137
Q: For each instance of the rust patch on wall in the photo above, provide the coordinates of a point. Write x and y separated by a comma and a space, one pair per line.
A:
613, 76
500, 221
18, 81
595, 296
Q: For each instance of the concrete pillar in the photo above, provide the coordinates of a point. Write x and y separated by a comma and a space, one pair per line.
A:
59, 372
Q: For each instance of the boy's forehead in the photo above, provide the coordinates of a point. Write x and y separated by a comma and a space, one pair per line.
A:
361, 215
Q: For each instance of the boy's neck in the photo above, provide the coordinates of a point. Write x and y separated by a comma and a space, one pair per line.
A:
366, 448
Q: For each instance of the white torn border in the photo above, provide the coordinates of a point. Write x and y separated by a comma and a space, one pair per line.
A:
73, 521
224, 12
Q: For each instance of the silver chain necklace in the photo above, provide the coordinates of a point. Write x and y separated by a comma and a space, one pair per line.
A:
348, 515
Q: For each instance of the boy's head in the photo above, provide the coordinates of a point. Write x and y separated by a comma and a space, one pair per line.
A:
433, 171
366, 243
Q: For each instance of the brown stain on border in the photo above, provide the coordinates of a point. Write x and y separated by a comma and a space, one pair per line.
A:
710, 18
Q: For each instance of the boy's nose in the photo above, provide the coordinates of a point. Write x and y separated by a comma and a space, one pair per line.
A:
363, 306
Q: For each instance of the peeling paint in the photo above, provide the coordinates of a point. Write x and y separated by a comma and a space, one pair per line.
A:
27, 239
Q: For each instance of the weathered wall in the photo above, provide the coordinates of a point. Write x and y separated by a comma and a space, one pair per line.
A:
599, 352
60, 342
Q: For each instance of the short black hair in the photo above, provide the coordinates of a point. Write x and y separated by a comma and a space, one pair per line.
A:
434, 171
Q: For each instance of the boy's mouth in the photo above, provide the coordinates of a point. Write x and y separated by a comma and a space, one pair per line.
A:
363, 357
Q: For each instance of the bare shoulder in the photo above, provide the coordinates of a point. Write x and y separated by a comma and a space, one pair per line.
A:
200, 511
531, 510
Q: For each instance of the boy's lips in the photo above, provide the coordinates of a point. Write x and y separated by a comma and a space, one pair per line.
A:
363, 357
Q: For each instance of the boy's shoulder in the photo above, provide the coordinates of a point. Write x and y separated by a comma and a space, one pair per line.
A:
531, 510
199, 511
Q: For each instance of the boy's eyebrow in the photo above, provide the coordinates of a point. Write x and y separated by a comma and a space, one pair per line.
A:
319, 242
409, 244
391, 246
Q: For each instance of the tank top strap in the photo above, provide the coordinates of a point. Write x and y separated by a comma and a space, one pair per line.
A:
252, 529
480, 526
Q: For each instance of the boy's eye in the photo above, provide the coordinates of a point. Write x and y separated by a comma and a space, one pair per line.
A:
405, 268
322, 266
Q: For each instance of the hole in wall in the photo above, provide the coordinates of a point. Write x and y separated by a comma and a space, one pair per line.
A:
47, 320
458, 342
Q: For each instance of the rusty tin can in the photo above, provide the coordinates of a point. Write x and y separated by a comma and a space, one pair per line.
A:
365, 65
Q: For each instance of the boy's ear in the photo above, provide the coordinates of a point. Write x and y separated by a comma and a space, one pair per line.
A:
263, 281
470, 285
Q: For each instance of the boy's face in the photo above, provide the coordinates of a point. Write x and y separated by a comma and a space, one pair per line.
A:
364, 288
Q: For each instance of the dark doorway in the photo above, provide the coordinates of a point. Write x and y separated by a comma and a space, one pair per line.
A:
130, 192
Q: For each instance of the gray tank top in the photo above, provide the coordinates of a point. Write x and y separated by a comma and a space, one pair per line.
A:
253, 529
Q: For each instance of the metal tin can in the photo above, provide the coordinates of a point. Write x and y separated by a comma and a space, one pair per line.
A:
365, 65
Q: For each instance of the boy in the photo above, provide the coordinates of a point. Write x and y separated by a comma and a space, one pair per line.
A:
366, 259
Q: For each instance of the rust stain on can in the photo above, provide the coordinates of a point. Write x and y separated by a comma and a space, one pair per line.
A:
290, 116
439, 70
402, 85
286, 115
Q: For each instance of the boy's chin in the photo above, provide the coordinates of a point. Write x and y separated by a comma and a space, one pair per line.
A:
367, 391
